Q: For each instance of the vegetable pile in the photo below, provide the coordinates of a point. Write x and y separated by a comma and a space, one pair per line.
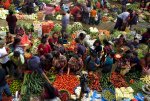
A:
146, 79
32, 85
15, 86
47, 26
77, 26
27, 26
108, 95
57, 27
105, 82
118, 80
137, 86
94, 82
67, 82
34, 48
133, 76
51, 76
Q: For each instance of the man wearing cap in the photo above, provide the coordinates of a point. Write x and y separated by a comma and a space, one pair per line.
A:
34, 64
4, 60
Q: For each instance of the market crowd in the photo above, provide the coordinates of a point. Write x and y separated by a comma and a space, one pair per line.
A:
104, 56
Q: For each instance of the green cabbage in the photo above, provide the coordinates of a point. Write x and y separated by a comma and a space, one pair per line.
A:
57, 27
69, 29
77, 26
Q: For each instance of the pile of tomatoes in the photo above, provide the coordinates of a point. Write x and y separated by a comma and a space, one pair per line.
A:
66, 82
118, 80
94, 81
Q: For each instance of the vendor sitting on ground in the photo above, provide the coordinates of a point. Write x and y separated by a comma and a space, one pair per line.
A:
59, 61
53, 40
44, 47
75, 64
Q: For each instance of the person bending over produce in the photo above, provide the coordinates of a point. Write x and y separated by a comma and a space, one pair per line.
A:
75, 64
3, 84
34, 64
122, 19
59, 61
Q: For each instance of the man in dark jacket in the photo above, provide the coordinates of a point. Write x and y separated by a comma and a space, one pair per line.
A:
11, 20
3, 84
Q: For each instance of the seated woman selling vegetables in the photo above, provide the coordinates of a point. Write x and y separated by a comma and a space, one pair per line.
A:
44, 47
59, 61
75, 64
53, 40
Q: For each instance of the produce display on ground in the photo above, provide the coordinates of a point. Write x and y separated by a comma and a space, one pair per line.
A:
146, 79
15, 86
105, 82
32, 85
108, 95
94, 82
118, 80
84, 38
67, 82
137, 86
